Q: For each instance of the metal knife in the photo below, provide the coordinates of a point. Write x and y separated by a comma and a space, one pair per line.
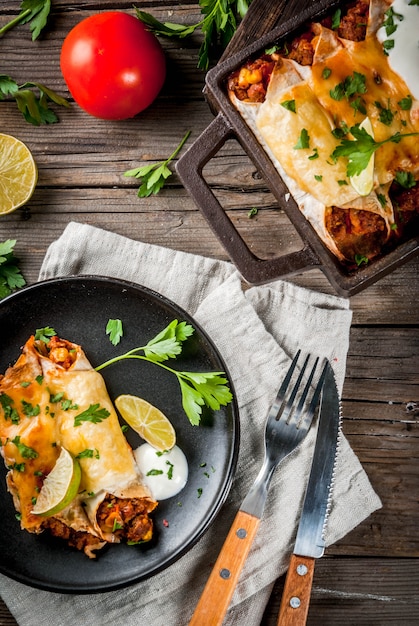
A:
309, 543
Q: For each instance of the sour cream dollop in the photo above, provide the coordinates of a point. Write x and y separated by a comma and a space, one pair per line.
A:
164, 473
404, 55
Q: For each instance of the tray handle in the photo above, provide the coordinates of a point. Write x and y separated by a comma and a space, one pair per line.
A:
253, 269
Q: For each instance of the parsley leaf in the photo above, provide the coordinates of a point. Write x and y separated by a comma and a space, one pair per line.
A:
25, 451
44, 334
303, 140
10, 275
218, 25
405, 179
198, 389
34, 11
406, 103
289, 105
95, 414
154, 176
114, 330
34, 105
360, 149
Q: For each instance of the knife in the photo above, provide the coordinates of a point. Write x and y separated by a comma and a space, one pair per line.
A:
309, 543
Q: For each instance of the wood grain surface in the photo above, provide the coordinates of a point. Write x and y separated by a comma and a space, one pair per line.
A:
371, 576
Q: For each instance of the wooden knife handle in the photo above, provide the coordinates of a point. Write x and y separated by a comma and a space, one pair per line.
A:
296, 595
215, 598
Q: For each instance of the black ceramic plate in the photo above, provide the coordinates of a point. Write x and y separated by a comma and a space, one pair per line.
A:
78, 309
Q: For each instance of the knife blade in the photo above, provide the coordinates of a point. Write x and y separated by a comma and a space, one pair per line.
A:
310, 543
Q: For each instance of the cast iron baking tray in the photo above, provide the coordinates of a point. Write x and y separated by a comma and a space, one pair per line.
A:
229, 124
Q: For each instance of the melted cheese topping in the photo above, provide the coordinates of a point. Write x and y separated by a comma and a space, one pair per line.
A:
404, 55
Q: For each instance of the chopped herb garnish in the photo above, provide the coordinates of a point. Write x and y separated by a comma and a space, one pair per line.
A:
406, 103
29, 410
253, 211
56, 397
95, 414
19, 467
88, 454
9, 411
326, 73
360, 259
386, 115
318, 177
382, 199
314, 156
405, 179
116, 525
199, 490
303, 140
170, 470
154, 472
336, 17
25, 383
39, 379
25, 451
115, 331
342, 182
289, 105
68, 405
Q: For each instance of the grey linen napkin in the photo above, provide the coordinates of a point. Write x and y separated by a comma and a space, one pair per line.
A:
256, 331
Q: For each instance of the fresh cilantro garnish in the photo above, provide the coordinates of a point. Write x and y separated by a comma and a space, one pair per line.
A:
88, 454
56, 397
405, 179
360, 149
303, 140
10, 276
314, 156
318, 177
114, 330
29, 409
68, 405
382, 199
336, 19
44, 334
252, 212
154, 176
154, 472
406, 103
218, 25
389, 24
198, 389
25, 451
386, 116
360, 259
351, 88
34, 11
388, 44
170, 470
9, 411
289, 105
326, 73
34, 105
95, 414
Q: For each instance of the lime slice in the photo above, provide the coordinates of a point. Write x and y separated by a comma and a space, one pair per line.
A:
363, 182
60, 486
18, 174
148, 421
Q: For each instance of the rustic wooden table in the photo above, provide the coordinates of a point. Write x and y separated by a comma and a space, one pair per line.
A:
371, 576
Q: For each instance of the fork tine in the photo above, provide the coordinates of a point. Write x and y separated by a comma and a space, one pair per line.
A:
308, 418
285, 413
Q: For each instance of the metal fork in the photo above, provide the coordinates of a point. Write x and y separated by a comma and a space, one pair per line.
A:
289, 420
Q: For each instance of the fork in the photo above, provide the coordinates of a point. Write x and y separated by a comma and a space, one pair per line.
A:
288, 422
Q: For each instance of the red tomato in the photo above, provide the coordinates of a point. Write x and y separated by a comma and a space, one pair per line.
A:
113, 67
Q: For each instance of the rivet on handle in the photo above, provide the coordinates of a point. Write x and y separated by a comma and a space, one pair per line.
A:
295, 602
241, 533
225, 573
302, 569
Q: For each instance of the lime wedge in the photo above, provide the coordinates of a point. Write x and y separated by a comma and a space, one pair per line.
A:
148, 421
363, 183
60, 486
18, 174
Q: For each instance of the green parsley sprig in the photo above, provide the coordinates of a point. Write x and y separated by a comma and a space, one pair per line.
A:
218, 25
10, 275
34, 11
153, 177
33, 100
360, 149
198, 388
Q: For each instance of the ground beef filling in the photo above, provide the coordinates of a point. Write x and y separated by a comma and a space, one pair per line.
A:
357, 234
76, 539
127, 519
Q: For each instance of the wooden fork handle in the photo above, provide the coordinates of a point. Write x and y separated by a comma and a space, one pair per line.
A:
296, 595
215, 598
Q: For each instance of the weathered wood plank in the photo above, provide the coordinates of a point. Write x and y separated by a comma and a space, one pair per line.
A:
361, 592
